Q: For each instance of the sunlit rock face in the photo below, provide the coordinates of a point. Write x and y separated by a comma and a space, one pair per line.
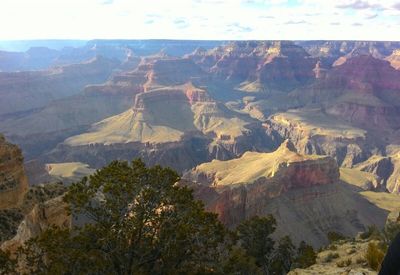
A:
301, 191
13, 182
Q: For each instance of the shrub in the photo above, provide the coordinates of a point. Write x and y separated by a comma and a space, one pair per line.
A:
374, 256
335, 236
331, 256
360, 260
343, 263
333, 247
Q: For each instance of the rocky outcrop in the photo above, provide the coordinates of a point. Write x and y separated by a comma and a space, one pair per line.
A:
300, 191
394, 59
313, 132
13, 182
40, 218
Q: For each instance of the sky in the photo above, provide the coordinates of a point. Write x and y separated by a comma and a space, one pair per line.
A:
200, 19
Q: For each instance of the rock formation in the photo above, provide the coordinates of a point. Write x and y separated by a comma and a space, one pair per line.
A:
301, 191
172, 117
34, 208
40, 218
13, 182
313, 132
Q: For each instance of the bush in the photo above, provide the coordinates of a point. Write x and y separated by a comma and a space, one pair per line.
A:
331, 256
335, 236
360, 260
374, 256
333, 247
306, 255
343, 263
371, 232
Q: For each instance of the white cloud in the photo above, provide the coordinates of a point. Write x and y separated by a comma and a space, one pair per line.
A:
199, 19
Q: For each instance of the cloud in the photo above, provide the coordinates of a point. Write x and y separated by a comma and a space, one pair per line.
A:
107, 2
358, 5
372, 16
200, 19
357, 24
238, 27
266, 17
396, 6
293, 22
181, 23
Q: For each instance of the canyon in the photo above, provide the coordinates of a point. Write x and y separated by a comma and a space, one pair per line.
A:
254, 127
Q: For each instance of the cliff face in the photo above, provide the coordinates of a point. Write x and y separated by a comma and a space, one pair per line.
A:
313, 132
300, 191
394, 59
259, 66
17, 201
13, 182
40, 218
363, 91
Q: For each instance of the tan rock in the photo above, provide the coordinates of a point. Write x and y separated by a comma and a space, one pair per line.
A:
41, 217
13, 182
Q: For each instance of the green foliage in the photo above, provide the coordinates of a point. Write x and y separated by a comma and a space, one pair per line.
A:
371, 232
7, 265
284, 256
374, 256
240, 263
141, 223
389, 232
331, 256
254, 235
335, 236
306, 255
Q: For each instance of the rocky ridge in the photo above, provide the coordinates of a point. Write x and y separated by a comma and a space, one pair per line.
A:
301, 191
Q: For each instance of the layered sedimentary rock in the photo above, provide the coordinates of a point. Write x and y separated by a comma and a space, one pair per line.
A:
169, 120
259, 66
363, 91
301, 191
13, 182
314, 132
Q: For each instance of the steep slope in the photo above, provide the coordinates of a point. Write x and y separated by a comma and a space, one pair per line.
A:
13, 182
314, 132
163, 124
301, 191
